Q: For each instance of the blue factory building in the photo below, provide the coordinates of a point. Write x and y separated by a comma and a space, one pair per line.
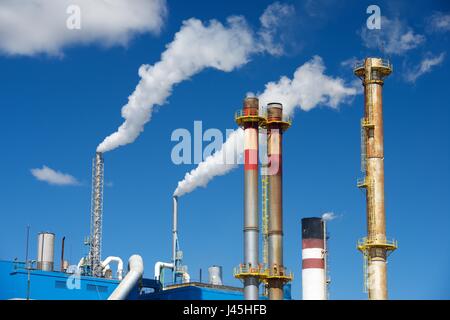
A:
19, 282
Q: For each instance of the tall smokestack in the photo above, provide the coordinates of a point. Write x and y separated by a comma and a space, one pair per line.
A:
96, 215
249, 120
375, 246
276, 126
314, 278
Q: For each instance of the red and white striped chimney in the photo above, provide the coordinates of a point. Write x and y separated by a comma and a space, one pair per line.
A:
314, 278
250, 118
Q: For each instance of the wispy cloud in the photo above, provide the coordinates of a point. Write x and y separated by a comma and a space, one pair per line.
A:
394, 37
273, 20
328, 216
53, 177
350, 62
425, 66
439, 22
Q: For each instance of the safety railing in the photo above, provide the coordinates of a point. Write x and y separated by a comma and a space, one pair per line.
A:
246, 113
361, 182
361, 63
264, 273
389, 244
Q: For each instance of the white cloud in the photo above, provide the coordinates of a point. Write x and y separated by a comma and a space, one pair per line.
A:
394, 37
309, 88
274, 16
350, 62
439, 22
425, 66
53, 177
39, 26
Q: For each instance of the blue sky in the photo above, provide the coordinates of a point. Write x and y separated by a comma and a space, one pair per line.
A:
57, 107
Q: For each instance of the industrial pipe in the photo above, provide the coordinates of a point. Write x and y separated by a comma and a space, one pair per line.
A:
62, 254
215, 275
107, 261
80, 264
274, 152
136, 270
375, 246
249, 120
314, 282
175, 232
162, 265
186, 278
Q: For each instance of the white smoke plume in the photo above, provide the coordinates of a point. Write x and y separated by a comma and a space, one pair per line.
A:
328, 216
195, 47
217, 164
309, 88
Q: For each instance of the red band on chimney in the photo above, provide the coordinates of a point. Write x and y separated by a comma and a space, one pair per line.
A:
312, 243
313, 263
251, 159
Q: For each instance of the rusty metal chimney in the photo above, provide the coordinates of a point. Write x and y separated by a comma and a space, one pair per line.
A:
248, 118
277, 275
375, 247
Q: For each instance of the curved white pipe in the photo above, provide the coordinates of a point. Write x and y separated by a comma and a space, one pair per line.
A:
107, 261
105, 269
186, 277
80, 263
136, 269
159, 266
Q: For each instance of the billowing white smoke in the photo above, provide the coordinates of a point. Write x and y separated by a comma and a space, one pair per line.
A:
216, 164
195, 47
309, 88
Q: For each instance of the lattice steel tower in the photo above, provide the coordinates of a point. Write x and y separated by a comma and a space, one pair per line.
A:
95, 240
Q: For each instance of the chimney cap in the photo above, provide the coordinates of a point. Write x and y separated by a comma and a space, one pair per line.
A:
277, 105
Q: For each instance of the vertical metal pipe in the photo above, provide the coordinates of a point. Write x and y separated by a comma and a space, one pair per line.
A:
175, 234
62, 254
274, 152
251, 218
314, 285
27, 246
